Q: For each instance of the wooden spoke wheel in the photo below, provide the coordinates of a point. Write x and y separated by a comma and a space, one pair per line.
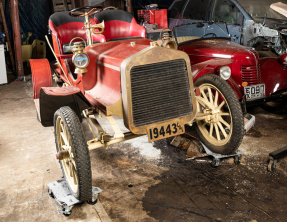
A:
73, 153
219, 116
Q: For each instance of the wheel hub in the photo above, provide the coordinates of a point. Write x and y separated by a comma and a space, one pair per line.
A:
213, 117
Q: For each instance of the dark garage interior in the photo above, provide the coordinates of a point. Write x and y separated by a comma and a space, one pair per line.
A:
143, 110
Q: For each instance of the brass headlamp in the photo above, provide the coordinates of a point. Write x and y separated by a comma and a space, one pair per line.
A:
80, 58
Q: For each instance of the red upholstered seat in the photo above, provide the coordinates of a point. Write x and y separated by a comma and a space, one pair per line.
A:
64, 28
119, 25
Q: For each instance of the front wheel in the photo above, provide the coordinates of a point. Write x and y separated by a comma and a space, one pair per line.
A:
219, 118
73, 153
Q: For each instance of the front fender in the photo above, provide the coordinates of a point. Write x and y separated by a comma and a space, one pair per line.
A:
41, 74
53, 98
273, 74
209, 67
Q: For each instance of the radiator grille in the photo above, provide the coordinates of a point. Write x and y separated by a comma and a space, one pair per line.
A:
160, 92
251, 74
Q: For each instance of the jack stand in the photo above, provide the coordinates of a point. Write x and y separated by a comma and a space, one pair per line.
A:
60, 192
216, 157
274, 156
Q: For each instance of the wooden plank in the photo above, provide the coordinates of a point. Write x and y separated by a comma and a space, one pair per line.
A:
7, 36
60, 2
101, 212
61, 8
65, 5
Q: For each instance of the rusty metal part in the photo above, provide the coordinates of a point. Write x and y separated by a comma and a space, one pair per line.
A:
57, 59
61, 154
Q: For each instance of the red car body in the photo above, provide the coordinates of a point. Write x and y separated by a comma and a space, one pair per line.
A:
246, 68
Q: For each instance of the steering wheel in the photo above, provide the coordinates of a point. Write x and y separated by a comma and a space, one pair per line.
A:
77, 12
211, 33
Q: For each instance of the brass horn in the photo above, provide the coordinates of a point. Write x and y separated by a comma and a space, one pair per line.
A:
100, 26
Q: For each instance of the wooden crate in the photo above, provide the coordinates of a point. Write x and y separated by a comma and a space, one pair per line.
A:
62, 5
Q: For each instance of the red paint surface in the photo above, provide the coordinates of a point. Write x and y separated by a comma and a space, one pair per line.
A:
41, 74
102, 84
272, 73
120, 29
61, 91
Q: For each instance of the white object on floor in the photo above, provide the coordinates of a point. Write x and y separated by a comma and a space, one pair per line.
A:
3, 73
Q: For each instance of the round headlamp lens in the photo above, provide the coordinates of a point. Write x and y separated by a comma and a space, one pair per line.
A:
81, 60
225, 72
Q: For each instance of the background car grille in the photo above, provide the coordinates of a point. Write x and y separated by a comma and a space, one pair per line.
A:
160, 92
251, 74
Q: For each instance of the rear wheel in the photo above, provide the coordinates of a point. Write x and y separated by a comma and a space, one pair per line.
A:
73, 153
219, 116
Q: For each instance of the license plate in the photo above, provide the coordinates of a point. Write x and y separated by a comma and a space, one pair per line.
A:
254, 92
164, 131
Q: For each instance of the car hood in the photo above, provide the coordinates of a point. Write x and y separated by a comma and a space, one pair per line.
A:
219, 48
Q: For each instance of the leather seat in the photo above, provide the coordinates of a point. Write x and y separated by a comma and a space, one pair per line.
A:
120, 25
64, 28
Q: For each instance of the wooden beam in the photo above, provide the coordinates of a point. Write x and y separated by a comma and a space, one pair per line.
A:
7, 36
17, 37
130, 7
73, 4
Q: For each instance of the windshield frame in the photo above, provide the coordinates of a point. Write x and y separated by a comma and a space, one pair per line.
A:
228, 37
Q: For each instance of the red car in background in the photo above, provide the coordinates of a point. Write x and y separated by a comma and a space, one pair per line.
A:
254, 80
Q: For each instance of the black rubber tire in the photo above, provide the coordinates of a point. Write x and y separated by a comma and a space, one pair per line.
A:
277, 107
236, 114
80, 151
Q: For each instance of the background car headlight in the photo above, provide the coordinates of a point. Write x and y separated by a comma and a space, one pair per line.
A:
81, 60
225, 72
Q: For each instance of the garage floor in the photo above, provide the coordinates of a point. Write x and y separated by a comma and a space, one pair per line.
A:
141, 181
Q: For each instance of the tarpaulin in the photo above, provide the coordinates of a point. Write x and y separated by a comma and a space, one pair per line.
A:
34, 16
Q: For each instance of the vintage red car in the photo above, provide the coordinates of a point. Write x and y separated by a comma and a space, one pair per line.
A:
121, 73
254, 80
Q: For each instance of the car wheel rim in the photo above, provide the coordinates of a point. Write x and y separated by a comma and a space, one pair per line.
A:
68, 161
213, 115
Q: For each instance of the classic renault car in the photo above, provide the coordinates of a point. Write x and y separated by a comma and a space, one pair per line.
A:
250, 23
120, 73
254, 80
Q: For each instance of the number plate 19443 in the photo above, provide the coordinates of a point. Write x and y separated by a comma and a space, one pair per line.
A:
164, 131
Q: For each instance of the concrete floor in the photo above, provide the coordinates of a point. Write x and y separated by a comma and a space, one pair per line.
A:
141, 181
